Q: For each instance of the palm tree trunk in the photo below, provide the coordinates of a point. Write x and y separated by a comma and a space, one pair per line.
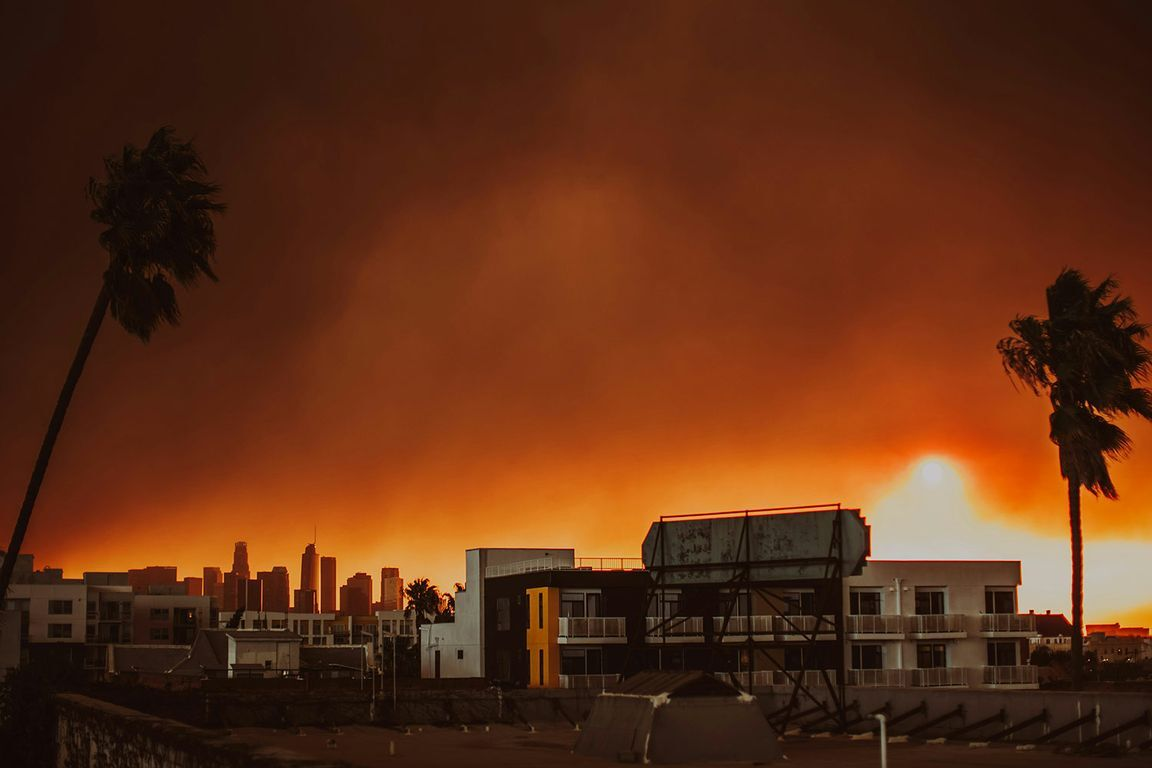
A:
49, 443
1077, 581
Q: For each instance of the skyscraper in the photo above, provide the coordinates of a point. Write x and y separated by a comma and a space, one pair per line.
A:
213, 582
310, 572
356, 595
391, 590
277, 588
240, 560
328, 584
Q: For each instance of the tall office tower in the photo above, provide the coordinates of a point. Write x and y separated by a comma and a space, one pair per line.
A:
328, 584
304, 601
254, 594
277, 589
356, 596
310, 569
240, 560
213, 582
391, 590
194, 586
230, 593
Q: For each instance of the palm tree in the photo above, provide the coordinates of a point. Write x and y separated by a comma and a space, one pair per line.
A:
1087, 357
423, 600
156, 208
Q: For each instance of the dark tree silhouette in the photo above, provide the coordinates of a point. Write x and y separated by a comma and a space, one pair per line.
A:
1087, 357
156, 208
423, 600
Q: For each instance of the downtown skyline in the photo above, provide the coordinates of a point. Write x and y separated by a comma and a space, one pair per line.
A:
539, 289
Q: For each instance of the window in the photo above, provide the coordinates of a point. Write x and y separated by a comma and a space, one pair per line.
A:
578, 605
999, 600
867, 656
540, 613
267, 663
460, 654
1002, 654
60, 631
60, 607
864, 602
931, 655
800, 603
159, 633
795, 658
540, 658
581, 661
503, 614
158, 614
929, 602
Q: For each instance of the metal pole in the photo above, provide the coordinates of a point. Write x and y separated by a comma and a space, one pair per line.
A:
883, 738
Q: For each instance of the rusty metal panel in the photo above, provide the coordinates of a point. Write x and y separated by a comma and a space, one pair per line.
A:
791, 546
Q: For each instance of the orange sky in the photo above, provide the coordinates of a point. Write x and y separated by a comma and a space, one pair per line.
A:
537, 274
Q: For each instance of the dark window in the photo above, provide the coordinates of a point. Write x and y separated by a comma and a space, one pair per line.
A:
931, 655
870, 656
864, 603
540, 666
540, 613
459, 654
795, 659
999, 601
800, 604
1002, 654
159, 633
158, 614
60, 630
503, 614
929, 602
60, 607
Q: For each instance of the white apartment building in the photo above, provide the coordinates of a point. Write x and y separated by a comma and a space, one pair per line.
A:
937, 623
456, 649
56, 613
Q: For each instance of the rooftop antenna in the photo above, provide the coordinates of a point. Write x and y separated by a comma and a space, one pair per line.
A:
313, 534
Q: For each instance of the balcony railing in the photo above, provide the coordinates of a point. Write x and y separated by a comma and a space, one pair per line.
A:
937, 624
526, 566
610, 563
596, 682
938, 677
809, 678
859, 624
1010, 675
878, 678
804, 625
680, 626
598, 626
1008, 622
761, 678
743, 625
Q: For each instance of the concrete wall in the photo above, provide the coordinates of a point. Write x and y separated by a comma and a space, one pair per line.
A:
92, 733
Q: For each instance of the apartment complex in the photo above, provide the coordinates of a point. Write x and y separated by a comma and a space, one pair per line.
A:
543, 618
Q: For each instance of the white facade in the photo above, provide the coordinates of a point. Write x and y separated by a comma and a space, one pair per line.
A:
937, 623
313, 628
57, 613
456, 649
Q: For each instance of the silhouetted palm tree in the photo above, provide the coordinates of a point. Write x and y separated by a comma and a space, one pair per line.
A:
157, 209
423, 600
1087, 357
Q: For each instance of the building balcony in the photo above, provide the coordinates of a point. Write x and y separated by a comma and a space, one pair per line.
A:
739, 627
588, 682
860, 626
1010, 676
878, 678
598, 629
939, 677
746, 680
680, 628
801, 626
809, 678
937, 625
1007, 624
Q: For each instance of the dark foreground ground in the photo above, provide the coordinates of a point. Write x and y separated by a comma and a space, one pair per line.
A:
504, 745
